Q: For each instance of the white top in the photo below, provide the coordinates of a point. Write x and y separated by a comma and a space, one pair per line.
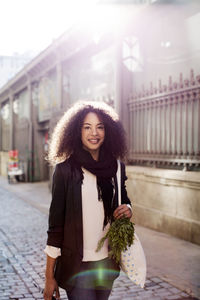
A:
53, 252
93, 218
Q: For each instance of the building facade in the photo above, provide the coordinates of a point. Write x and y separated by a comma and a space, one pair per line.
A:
10, 65
149, 72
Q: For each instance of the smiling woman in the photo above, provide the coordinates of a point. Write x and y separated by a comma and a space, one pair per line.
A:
84, 201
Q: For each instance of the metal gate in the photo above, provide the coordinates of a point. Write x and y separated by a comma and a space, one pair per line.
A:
164, 124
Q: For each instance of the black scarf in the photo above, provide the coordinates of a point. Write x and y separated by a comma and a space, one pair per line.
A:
105, 169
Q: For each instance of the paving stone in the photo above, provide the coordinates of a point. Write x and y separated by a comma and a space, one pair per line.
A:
16, 296
22, 241
183, 295
165, 284
173, 297
174, 290
27, 298
150, 284
37, 295
156, 279
164, 295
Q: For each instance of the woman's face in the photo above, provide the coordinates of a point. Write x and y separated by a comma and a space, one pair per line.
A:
92, 134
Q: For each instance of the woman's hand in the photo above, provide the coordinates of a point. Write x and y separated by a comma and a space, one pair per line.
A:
51, 286
122, 211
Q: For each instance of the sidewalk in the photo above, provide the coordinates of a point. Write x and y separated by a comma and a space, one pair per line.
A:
172, 263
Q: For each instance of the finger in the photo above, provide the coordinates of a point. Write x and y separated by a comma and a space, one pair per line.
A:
122, 208
125, 213
120, 215
57, 293
118, 209
117, 214
126, 210
47, 297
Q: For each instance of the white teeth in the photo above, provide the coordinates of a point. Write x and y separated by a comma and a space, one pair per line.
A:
93, 141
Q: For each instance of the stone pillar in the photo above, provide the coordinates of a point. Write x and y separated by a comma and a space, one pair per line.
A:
0, 126
11, 137
122, 88
59, 84
118, 78
30, 134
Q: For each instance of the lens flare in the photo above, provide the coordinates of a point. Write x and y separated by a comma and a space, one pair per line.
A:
99, 277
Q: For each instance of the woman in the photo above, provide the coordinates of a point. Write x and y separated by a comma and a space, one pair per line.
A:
85, 146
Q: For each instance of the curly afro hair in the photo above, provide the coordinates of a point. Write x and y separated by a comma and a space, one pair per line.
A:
67, 133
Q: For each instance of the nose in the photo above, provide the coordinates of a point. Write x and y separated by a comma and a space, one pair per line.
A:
94, 131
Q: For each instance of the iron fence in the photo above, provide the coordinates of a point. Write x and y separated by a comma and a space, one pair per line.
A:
164, 124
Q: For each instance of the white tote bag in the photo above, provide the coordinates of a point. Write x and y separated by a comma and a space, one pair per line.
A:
133, 261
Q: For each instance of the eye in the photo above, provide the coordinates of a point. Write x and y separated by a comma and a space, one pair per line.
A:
101, 127
86, 127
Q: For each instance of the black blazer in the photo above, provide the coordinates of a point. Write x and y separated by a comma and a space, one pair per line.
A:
65, 220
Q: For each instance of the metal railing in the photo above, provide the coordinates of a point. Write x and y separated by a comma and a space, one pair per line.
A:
164, 124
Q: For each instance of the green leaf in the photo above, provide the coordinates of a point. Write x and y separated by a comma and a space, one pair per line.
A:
120, 235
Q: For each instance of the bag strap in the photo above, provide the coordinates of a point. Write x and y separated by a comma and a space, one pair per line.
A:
119, 182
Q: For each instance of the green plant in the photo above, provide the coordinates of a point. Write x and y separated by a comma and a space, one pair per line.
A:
120, 235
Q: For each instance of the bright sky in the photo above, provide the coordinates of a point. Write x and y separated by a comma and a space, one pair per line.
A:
33, 24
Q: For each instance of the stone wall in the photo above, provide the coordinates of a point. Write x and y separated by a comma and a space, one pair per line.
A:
166, 200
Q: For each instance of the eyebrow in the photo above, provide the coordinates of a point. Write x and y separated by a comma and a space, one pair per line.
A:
86, 123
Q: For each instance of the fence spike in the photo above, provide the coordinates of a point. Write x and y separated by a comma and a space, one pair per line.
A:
170, 83
186, 82
192, 79
181, 80
143, 91
160, 86
151, 88
175, 85
165, 88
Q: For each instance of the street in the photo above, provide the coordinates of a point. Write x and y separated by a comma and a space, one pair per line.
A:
22, 261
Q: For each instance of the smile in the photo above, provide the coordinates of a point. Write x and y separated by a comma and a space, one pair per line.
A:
93, 141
